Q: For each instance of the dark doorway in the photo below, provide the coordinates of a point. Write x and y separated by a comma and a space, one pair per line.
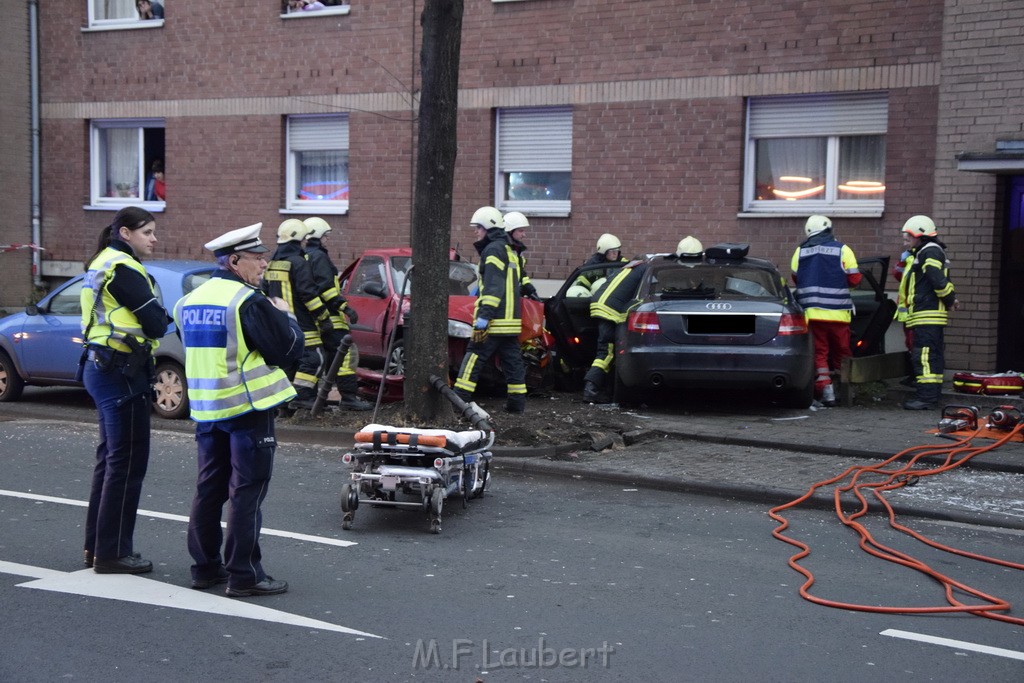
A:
1010, 340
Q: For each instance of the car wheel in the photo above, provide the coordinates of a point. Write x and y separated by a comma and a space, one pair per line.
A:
625, 396
395, 364
800, 398
11, 383
171, 390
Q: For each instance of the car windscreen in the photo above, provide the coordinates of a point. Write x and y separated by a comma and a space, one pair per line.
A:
462, 276
701, 281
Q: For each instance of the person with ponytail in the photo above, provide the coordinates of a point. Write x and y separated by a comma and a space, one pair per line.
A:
122, 321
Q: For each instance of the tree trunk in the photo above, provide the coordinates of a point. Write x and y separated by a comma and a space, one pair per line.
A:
427, 333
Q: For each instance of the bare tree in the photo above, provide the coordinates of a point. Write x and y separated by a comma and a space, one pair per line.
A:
427, 336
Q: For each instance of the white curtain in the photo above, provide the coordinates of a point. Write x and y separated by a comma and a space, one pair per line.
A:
116, 9
790, 168
122, 147
862, 167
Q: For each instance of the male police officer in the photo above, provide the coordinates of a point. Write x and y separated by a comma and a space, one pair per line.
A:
325, 275
236, 342
289, 277
498, 317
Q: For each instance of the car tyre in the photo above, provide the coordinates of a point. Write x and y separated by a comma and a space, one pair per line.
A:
395, 363
800, 398
11, 384
171, 391
625, 396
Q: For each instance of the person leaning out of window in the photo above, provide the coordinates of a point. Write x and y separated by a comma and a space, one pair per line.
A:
149, 10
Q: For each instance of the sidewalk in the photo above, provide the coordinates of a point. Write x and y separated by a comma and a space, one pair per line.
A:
774, 458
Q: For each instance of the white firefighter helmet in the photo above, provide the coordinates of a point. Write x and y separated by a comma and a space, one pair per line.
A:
514, 220
608, 242
487, 217
318, 227
291, 230
577, 292
597, 285
689, 247
816, 224
920, 226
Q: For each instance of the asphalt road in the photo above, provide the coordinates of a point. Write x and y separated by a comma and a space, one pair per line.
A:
531, 582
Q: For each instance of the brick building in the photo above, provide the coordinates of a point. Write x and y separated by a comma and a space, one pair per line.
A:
651, 119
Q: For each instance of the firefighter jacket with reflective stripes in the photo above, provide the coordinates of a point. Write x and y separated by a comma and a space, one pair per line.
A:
225, 377
824, 270
325, 276
526, 287
612, 299
588, 278
926, 291
290, 277
499, 300
107, 321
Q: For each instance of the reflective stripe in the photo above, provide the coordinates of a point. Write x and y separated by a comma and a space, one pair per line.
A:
113, 322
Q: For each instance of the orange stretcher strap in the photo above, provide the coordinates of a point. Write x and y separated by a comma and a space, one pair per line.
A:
391, 439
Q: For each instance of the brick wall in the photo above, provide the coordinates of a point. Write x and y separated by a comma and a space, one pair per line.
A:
15, 161
982, 83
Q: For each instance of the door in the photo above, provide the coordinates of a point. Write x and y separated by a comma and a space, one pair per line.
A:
1010, 336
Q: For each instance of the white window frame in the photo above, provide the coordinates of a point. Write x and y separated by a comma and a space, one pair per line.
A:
832, 116
327, 11
339, 141
96, 24
97, 170
532, 139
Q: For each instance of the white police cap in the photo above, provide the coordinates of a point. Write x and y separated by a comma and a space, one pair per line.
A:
242, 239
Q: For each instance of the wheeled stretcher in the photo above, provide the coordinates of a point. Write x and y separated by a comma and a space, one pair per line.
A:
415, 468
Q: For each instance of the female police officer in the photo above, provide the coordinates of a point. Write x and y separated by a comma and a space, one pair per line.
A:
121, 323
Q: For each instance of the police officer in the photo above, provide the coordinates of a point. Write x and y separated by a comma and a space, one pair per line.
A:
122, 321
498, 320
325, 275
824, 270
608, 306
236, 341
926, 295
289, 277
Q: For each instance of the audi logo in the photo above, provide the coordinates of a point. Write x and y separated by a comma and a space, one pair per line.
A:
718, 306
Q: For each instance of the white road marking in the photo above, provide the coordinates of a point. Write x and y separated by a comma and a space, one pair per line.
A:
128, 588
956, 644
180, 518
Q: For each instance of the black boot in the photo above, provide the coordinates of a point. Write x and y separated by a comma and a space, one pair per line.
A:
593, 394
348, 387
927, 398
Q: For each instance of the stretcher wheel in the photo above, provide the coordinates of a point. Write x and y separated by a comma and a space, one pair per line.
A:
436, 505
349, 498
468, 481
346, 521
483, 476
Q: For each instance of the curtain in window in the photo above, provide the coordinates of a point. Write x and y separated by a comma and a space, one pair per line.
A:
122, 157
322, 175
790, 169
862, 167
116, 9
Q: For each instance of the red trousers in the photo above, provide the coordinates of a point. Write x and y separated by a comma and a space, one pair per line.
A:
831, 346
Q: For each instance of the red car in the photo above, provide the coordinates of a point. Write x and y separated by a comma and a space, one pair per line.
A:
373, 285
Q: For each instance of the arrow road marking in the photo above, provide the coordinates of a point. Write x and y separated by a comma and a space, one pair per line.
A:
180, 518
129, 588
949, 642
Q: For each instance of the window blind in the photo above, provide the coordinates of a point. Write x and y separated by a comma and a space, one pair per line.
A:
826, 114
536, 139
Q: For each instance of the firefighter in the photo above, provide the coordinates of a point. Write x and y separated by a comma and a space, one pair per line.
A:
498, 320
824, 270
289, 277
515, 225
325, 275
926, 294
609, 250
609, 307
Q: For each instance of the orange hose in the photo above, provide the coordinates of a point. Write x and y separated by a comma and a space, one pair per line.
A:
956, 454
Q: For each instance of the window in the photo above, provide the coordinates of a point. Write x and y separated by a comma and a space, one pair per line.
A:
317, 172
124, 154
823, 152
107, 14
534, 161
297, 9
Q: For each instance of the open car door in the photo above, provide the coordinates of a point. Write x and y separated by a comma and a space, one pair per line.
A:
873, 309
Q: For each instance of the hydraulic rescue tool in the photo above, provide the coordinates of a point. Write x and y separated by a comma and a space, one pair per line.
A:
1004, 418
958, 418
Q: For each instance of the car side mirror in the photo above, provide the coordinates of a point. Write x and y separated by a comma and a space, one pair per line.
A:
32, 309
375, 289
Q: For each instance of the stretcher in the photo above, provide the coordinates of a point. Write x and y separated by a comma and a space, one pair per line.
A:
415, 469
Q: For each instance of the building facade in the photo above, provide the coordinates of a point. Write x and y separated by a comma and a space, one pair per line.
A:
650, 119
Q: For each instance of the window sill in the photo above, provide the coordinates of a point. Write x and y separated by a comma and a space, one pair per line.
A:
152, 207
330, 11
831, 213
314, 211
124, 26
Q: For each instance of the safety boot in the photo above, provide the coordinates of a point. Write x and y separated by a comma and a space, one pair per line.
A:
593, 394
348, 387
828, 396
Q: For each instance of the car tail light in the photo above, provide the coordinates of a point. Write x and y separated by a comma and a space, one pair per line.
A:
792, 323
645, 322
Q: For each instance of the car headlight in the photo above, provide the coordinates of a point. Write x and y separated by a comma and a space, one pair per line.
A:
459, 330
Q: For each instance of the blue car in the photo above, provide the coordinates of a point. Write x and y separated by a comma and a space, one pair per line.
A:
42, 345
